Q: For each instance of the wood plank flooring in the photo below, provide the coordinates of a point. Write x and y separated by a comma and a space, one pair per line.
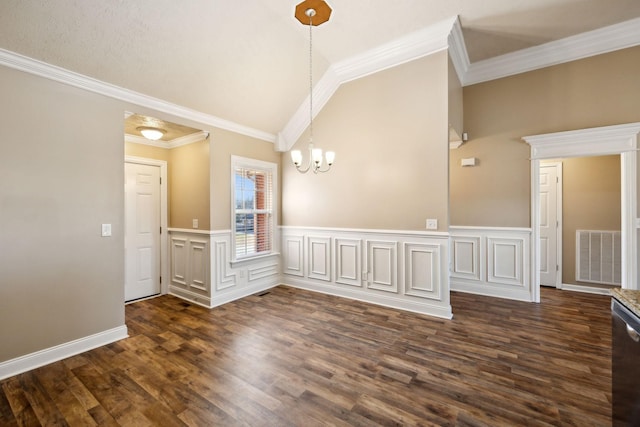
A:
297, 358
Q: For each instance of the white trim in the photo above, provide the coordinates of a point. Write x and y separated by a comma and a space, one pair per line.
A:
192, 231
369, 231
164, 216
458, 52
58, 74
607, 39
177, 142
49, 355
618, 139
586, 289
411, 47
483, 228
421, 307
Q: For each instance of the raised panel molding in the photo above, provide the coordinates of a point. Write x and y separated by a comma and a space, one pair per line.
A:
382, 265
422, 270
348, 255
319, 253
492, 261
505, 261
465, 257
190, 266
365, 266
199, 265
293, 251
178, 261
257, 273
224, 278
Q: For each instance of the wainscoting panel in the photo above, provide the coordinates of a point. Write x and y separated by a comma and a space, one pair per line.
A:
365, 266
293, 254
190, 266
179, 261
465, 257
199, 265
505, 262
422, 270
348, 261
382, 265
319, 257
211, 277
491, 261
225, 278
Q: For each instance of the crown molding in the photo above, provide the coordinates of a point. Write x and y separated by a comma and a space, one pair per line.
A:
416, 45
607, 39
167, 145
458, 51
61, 75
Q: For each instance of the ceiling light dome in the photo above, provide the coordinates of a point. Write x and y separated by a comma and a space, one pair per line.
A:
151, 133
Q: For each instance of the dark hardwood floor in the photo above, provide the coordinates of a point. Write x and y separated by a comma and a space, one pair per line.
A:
292, 357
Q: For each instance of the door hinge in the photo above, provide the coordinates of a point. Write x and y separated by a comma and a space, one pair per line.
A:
160, 180
557, 268
160, 229
161, 280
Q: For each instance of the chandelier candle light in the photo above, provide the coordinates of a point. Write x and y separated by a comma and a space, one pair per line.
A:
312, 13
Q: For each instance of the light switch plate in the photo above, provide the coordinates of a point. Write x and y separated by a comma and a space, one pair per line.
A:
432, 224
195, 222
106, 230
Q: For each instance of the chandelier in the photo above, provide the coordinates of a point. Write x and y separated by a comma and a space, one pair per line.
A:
312, 13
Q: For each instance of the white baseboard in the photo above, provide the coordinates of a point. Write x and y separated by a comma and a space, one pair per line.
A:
31, 361
587, 289
422, 306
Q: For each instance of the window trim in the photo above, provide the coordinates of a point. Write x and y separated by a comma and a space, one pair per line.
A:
248, 163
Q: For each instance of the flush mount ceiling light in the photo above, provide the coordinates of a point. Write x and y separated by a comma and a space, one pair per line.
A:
312, 13
151, 133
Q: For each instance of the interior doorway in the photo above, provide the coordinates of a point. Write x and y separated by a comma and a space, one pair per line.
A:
145, 221
620, 140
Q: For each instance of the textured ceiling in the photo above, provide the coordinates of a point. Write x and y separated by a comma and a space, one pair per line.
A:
247, 61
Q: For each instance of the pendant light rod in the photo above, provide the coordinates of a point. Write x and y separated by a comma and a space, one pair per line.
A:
305, 12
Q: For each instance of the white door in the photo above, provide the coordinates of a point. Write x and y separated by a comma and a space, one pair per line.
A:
549, 225
141, 231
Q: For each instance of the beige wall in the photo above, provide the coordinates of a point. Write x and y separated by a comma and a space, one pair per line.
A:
188, 176
58, 183
147, 151
597, 91
189, 182
389, 131
456, 106
591, 201
224, 144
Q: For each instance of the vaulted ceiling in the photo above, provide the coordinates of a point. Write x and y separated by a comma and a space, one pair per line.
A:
246, 61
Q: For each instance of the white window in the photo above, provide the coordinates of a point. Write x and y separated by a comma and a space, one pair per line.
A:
253, 215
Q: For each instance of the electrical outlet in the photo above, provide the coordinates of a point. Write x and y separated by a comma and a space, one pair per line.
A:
432, 224
195, 222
